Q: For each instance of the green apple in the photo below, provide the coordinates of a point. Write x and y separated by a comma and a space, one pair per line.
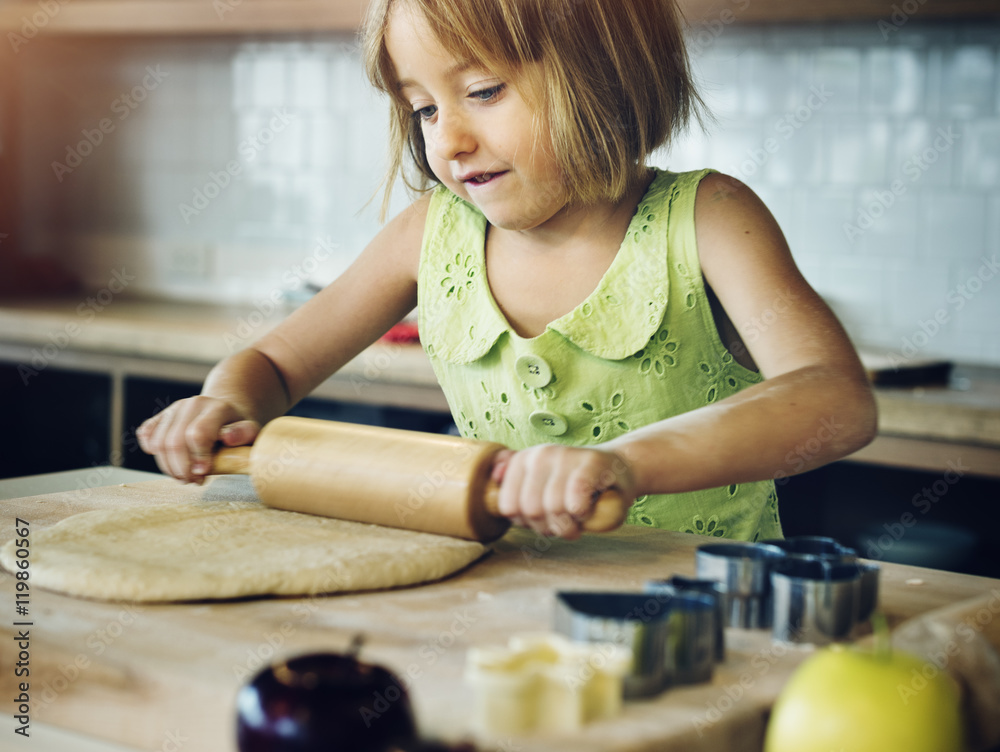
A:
853, 700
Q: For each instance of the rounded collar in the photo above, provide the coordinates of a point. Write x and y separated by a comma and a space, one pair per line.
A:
617, 319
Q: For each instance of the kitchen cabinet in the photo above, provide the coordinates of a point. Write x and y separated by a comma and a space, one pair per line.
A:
57, 421
213, 17
920, 428
120, 365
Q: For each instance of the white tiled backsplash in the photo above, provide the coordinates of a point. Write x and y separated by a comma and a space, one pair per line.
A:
239, 168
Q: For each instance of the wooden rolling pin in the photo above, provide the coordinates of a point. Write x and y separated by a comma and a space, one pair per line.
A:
417, 481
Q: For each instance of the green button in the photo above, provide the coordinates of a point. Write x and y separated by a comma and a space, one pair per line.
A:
533, 370
548, 423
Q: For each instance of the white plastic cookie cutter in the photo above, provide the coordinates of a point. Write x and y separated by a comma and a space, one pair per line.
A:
545, 683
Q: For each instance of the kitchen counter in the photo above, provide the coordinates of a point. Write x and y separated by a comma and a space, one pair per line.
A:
929, 428
194, 336
169, 341
138, 675
940, 428
71, 480
46, 738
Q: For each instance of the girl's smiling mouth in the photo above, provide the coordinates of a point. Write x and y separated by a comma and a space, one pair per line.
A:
481, 178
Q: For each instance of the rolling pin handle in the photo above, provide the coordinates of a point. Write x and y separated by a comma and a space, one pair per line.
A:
608, 514
610, 511
231, 461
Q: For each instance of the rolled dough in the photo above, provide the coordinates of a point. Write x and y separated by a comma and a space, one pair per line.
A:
213, 550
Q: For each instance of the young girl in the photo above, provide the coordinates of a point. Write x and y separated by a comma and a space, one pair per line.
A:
600, 318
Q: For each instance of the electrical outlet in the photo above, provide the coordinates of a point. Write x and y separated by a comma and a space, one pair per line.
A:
190, 260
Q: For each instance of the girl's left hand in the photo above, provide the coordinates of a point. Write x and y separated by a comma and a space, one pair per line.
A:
552, 488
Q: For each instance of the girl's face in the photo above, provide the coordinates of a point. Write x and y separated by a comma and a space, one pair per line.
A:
477, 128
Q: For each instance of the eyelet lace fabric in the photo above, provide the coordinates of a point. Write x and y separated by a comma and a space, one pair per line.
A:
640, 348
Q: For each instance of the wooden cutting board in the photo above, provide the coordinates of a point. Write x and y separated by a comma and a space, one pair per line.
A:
144, 675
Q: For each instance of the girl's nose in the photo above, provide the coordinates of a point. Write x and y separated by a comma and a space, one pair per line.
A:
451, 136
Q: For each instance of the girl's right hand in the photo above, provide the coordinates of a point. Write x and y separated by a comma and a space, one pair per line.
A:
183, 436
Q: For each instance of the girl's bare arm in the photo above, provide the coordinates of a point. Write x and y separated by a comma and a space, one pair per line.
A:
263, 381
815, 404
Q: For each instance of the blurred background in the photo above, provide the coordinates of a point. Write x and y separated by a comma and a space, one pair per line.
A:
175, 177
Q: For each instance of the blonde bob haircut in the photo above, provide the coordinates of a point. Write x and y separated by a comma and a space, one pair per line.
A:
615, 81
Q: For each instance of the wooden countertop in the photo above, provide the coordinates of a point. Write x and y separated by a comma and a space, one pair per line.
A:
186, 332
965, 412
181, 341
134, 674
967, 409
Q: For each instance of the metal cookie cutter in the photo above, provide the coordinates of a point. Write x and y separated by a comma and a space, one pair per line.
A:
635, 621
669, 634
814, 545
815, 600
868, 589
829, 549
710, 588
694, 630
744, 571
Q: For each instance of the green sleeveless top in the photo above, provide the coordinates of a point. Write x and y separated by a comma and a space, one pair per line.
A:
641, 348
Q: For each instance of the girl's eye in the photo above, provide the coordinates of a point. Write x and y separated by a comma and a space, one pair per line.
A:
425, 113
490, 94
487, 95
